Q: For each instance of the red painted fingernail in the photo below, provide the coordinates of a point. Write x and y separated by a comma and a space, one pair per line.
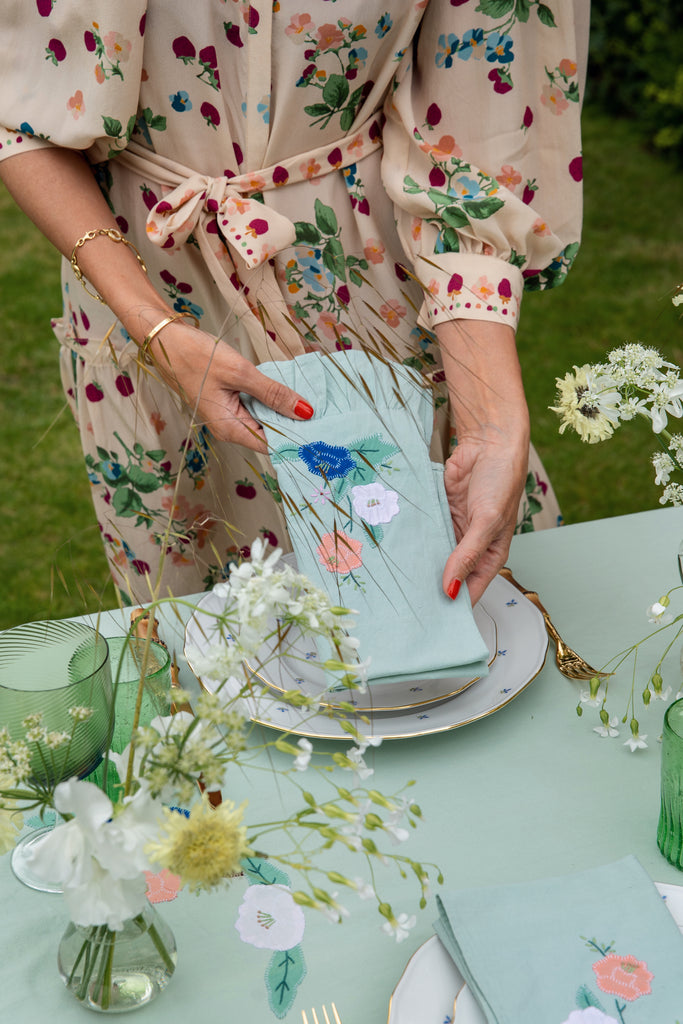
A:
303, 410
454, 589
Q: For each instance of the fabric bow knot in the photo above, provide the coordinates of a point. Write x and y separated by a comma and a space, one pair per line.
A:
254, 232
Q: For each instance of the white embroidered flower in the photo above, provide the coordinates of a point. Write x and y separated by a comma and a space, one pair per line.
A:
269, 918
591, 1015
400, 926
374, 503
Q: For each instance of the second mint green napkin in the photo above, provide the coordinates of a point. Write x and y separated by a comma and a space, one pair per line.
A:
367, 512
594, 947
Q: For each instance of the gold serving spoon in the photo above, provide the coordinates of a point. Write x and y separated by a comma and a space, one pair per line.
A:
568, 661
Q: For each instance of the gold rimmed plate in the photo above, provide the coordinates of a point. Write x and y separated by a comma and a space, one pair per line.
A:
522, 643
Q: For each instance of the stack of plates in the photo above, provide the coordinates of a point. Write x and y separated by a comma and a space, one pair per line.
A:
511, 626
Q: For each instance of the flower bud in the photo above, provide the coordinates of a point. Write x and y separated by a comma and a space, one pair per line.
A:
594, 686
647, 696
656, 681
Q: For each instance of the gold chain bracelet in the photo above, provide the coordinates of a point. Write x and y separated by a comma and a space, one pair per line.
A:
115, 236
144, 346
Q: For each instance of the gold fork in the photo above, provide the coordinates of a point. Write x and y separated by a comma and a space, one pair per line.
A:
568, 661
335, 1019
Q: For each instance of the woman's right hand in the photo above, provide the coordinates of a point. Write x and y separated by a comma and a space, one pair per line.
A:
209, 375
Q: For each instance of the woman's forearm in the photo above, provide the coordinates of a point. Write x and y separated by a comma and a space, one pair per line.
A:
56, 189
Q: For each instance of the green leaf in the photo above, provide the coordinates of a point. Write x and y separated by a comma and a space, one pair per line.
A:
438, 197
284, 974
104, 455
362, 474
522, 10
318, 110
585, 998
495, 8
346, 119
144, 482
326, 218
517, 259
410, 186
333, 258
336, 91
546, 15
480, 209
375, 449
156, 455
130, 127
449, 240
260, 871
355, 277
307, 233
112, 127
288, 451
158, 122
454, 217
572, 92
126, 502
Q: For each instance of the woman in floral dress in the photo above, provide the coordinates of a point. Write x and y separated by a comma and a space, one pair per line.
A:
294, 177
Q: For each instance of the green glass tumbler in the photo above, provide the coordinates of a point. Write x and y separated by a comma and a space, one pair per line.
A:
46, 669
670, 827
132, 658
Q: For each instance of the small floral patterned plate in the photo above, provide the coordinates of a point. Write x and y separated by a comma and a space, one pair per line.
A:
433, 991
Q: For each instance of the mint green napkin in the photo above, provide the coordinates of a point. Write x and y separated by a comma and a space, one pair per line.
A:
547, 952
367, 512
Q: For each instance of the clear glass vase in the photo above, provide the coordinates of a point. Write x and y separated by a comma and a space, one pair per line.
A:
116, 971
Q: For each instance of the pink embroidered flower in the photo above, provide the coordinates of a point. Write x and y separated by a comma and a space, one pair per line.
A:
116, 47
445, 147
299, 26
374, 250
554, 99
76, 104
508, 177
540, 228
392, 312
567, 67
158, 422
374, 503
433, 287
329, 36
623, 976
339, 552
483, 289
416, 228
162, 887
100, 76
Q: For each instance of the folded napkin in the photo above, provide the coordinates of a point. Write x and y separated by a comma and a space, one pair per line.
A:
589, 948
367, 512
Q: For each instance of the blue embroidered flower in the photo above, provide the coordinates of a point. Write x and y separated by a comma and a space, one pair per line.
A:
350, 173
357, 57
499, 49
183, 305
180, 101
472, 44
195, 461
112, 470
449, 45
465, 188
383, 25
327, 460
26, 128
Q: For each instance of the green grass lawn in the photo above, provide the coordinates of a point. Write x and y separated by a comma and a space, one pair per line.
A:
51, 560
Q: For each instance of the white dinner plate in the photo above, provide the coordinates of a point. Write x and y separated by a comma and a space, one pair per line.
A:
521, 651
432, 990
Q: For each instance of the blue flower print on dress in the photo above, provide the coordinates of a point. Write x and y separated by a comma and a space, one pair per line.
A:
327, 460
472, 44
180, 101
448, 46
499, 49
383, 25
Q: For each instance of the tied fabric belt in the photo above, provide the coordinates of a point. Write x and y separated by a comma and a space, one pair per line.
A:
224, 210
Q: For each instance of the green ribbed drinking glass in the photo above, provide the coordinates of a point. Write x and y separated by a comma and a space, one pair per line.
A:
46, 668
670, 827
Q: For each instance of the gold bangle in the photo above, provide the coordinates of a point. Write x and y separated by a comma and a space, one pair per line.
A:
115, 236
147, 341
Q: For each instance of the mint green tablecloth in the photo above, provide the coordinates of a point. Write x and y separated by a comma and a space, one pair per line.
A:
526, 793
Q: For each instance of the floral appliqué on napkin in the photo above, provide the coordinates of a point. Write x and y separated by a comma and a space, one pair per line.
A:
270, 919
623, 976
349, 483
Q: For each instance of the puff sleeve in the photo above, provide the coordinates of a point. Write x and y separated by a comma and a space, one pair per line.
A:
76, 80
482, 154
